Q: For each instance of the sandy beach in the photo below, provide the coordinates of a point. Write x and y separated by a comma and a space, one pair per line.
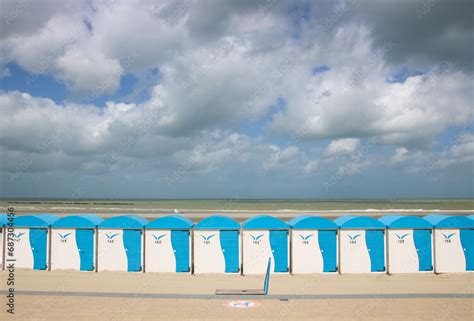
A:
290, 296
42, 295
241, 210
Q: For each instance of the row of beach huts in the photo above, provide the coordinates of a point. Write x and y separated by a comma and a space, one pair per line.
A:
219, 244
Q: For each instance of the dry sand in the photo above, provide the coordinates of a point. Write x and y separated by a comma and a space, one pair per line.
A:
60, 308
105, 308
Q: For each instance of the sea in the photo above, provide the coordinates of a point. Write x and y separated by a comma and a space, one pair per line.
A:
270, 206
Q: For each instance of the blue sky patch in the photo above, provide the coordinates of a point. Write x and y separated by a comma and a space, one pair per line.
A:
403, 75
38, 85
320, 69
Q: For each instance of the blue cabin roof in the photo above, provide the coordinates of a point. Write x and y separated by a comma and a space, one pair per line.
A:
3, 219
358, 222
399, 221
170, 222
78, 221
124, 222
264, 222
471, 217
217, 222
311, 222
449, 221
37, 220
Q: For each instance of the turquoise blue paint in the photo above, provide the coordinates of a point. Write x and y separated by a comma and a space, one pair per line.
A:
170, 222
279, 246
467, 242
264, 222
132, 241
375, 245
422, 239
327, 244
266, 283
38, 241
230, 248
85, 246
311, 223
180, 244
78, 221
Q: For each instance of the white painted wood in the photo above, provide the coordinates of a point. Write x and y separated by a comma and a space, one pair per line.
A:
64, 251
354, 255
208, 255
159, 251
2, 244
257, 252
402, 253
111, 251
306, 253
23, 253
449, 251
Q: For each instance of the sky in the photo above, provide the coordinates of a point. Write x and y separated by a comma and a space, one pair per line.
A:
236, 99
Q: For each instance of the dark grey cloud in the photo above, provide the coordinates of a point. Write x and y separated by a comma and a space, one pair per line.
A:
22, 17
424, 32
223, 65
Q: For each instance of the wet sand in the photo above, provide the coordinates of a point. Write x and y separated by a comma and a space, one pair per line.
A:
241, 209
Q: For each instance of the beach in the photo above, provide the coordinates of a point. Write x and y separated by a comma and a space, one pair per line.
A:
122, 295
46, 295
241, 209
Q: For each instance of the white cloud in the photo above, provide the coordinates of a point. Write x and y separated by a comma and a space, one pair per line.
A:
352, 168
220, 68
311, 167
280, 157
460, 152
400, 155
235, 72
37, 52
85, 137
344, 146
90, 73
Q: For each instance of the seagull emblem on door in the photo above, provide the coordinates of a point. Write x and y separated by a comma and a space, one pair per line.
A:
447, 238
159, 237
256, 238
401, 238
207, 238
111, 237
353, 239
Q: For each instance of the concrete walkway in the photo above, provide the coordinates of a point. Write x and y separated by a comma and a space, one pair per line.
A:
260, 297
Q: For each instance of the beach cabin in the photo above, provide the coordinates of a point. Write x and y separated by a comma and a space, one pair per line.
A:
453, 243
216, 245
3, 223
409, 244
265, 237
361, 244
31, 240
168, 244
120, 244
313, 245
73, 240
